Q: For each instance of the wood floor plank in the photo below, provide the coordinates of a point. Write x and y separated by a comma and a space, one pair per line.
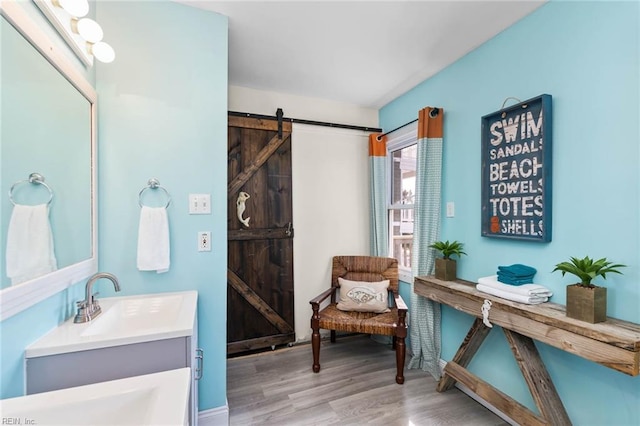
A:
321, 414
355, 386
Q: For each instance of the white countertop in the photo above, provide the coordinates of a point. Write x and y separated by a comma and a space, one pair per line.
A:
123, 321
148, 400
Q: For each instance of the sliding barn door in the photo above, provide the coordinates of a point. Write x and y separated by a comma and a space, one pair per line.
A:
260, 235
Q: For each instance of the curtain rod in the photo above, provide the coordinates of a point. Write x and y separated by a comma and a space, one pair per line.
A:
397, 128
310, 122
433, 114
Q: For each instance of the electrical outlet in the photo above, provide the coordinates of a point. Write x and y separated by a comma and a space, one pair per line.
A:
204, 241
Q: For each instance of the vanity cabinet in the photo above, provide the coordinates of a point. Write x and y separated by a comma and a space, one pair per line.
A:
73, 369
52, 366
53, 372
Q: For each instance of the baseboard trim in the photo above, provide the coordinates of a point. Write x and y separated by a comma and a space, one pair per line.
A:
479, 399
218, 416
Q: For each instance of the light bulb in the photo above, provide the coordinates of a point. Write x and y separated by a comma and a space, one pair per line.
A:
89, 30
103, 52
77, 8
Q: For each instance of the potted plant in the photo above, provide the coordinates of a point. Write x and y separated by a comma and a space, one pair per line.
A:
586, 301
445, 266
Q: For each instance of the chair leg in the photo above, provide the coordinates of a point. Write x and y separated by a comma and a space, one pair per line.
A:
315, 347
400, 335
393, 343
315, 337
400, 355
333, 336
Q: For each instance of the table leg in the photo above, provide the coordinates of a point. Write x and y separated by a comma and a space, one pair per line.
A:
538, 380
476, 335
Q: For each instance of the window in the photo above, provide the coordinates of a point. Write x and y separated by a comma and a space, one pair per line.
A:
402, 153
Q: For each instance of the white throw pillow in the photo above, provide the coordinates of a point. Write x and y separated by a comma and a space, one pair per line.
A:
363, 296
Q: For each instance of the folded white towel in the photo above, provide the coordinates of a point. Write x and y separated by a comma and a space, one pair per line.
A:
30, 252
531, 300
153, 240
523, 290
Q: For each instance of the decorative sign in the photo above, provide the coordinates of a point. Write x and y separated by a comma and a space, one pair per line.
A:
516, 171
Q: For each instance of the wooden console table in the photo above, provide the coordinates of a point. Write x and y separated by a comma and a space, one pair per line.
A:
613, 343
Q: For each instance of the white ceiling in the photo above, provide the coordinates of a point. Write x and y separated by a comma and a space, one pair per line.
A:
364, 53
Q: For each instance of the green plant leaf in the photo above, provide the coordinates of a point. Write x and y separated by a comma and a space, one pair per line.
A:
587, 269
448, 249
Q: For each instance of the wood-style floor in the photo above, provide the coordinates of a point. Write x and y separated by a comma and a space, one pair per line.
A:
356, 385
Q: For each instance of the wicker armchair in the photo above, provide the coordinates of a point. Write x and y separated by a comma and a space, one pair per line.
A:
393, 323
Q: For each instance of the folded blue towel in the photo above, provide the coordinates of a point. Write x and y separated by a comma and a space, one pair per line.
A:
517, 270
514, 277
515, 281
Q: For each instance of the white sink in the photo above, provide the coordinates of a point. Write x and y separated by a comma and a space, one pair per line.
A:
142, 314
124, 320
152, 399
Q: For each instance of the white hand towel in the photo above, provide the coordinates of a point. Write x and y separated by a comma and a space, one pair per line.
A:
530, 300
153, 240
523, 290
30, 252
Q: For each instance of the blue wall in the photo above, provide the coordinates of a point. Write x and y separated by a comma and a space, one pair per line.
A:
163, 113
586, 55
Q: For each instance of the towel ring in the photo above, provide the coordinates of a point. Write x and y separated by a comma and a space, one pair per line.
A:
35, 179
154, 183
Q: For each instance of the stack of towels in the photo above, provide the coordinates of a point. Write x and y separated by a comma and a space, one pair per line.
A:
525, 293
516, 274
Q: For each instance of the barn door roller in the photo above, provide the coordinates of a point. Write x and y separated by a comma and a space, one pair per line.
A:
279, 115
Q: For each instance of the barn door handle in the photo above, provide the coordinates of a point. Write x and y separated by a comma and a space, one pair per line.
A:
289, 230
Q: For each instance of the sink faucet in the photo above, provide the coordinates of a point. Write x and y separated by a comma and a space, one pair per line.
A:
89, 308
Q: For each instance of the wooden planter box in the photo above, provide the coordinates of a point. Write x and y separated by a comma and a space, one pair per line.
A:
445, 269
587, 304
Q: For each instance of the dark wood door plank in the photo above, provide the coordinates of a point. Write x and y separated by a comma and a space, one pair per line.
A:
257, 302
259, 234
258, 123
266, 152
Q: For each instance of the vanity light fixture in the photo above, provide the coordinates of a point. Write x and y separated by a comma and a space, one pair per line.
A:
88, 29
102, 51
75, 8
84, 35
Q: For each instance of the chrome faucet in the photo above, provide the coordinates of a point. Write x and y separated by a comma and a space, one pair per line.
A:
89, 308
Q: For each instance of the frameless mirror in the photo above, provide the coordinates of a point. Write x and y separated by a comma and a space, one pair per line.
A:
48, 127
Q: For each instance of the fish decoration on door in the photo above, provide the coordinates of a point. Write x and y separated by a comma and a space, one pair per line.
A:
240, 204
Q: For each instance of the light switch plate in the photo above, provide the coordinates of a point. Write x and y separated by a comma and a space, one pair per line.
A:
199, 203
451, 209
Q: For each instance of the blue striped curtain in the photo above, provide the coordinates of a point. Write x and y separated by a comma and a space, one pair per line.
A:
379, 243
425, 314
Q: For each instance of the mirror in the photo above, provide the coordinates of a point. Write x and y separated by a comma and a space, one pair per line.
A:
48, 127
